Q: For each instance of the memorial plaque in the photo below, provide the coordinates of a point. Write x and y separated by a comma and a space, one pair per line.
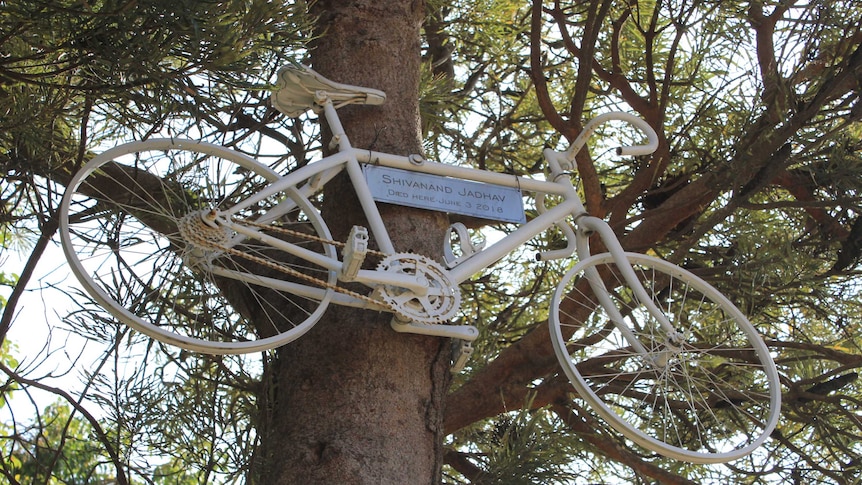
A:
445, 194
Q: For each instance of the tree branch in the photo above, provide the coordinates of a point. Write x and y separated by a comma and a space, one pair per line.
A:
588, 428
97, 428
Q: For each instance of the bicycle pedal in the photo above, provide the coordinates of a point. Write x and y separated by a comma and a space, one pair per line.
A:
461, 354
354, 253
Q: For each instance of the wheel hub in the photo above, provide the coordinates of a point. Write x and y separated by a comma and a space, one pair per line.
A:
204, 238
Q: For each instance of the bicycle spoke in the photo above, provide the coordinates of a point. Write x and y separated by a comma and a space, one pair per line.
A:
706, 392
122, 218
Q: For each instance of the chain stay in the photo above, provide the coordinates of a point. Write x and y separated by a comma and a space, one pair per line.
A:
209, 237
310, 237
199, 239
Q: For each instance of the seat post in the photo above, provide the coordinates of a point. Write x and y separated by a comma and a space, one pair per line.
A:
339, 137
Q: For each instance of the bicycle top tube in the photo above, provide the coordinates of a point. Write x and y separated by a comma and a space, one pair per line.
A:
454, 171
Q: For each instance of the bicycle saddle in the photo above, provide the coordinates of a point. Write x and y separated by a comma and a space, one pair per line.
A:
297, 86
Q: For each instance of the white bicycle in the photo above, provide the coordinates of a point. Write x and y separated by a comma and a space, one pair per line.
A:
203, 247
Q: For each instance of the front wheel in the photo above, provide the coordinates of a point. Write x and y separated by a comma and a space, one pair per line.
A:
706, 391
131, 225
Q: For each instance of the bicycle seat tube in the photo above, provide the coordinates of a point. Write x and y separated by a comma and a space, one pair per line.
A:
354, 171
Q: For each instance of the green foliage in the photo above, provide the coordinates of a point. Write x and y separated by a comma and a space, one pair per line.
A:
57, 449
779, 243
128, 65
73, 75
6, 280
179, 417
521, 447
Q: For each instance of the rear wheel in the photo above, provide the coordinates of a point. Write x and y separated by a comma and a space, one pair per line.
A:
127, 220
707, 392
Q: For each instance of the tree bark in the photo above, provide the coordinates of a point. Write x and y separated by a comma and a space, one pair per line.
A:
353, 401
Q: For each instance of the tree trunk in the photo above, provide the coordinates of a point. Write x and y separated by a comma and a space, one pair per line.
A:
353, 401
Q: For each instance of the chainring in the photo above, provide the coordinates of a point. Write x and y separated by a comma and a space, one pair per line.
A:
439, 304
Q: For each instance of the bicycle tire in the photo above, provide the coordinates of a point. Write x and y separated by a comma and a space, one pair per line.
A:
711, 396
120, 220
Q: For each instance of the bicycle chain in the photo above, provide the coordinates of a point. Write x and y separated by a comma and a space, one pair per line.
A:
309, 237
199, 238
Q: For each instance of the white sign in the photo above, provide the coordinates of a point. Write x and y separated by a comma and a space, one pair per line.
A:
435, 192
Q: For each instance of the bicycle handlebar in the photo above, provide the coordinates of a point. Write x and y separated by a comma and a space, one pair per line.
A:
649, 147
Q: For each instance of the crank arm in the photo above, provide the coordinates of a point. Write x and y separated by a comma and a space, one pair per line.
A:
373, 278
462, 332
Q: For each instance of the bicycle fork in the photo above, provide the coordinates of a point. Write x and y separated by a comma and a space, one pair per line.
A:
673, 339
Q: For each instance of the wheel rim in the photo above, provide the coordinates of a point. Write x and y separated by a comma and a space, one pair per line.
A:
121, 235
716, 375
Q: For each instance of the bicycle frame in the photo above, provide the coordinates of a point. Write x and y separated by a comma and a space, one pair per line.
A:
350, 159
559, 184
